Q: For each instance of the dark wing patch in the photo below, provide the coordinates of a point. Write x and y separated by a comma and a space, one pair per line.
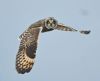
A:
30, 50
27, 50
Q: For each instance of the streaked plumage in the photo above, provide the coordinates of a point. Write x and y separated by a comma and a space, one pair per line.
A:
25, 57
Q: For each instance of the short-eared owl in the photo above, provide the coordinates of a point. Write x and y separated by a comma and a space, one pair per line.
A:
27, 50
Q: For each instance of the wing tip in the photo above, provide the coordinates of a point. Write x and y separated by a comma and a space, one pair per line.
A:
23, 71
85, 32
23, 64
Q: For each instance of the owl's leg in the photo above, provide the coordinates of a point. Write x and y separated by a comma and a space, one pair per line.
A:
66, 28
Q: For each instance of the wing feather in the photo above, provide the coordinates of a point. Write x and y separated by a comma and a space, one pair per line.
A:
27, 50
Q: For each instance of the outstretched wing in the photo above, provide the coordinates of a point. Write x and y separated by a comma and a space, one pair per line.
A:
27, 50
67, 28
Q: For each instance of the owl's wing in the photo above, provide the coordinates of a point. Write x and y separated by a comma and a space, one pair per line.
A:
27, 50
67, 28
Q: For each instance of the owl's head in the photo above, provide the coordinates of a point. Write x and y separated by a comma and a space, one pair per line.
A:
51, 23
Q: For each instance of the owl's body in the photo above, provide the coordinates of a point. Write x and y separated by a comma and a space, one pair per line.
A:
27, 50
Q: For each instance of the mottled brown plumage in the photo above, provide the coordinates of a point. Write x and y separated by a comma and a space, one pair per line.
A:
25, 57
27, 50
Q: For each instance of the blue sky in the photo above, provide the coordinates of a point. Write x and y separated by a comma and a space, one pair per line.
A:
61, 56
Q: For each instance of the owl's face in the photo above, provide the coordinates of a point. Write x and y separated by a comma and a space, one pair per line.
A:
51, 23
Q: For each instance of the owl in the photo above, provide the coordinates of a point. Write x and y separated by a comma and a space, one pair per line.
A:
25, 57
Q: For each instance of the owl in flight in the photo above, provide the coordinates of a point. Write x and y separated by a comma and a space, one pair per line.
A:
25, 57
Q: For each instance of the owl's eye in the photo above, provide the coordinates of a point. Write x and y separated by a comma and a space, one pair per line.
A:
48, 22
54, 21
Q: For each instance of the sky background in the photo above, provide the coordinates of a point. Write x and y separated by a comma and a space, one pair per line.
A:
61, 56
